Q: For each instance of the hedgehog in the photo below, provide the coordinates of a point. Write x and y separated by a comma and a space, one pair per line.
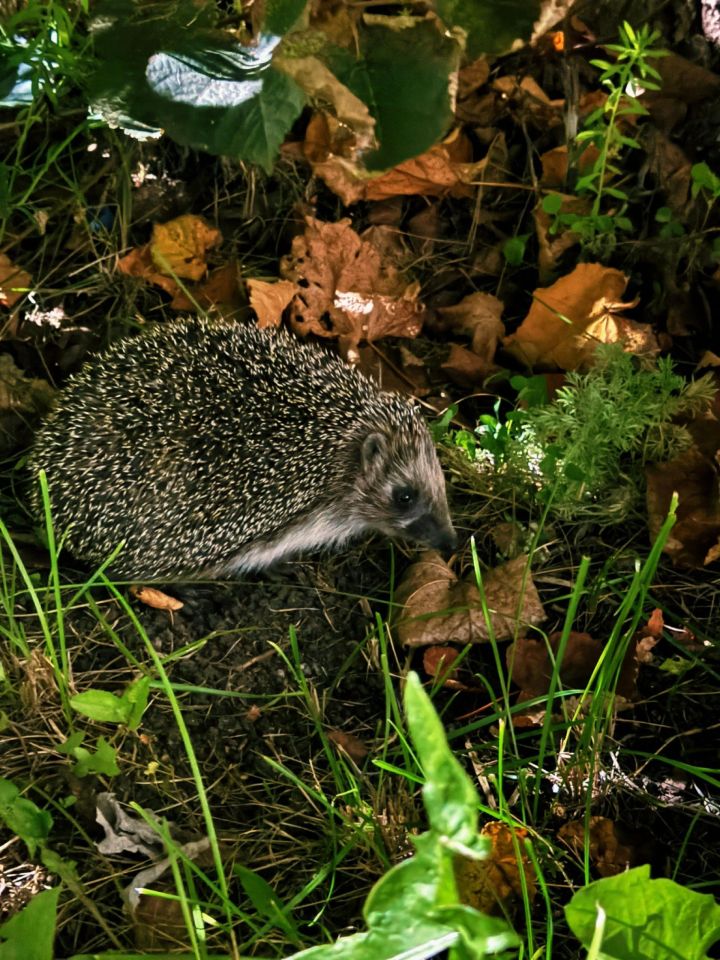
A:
210, 448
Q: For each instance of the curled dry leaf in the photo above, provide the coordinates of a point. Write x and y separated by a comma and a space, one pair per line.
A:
348, 743
569, 318
23, 400
443, 170
694, 541
156, 598
464, 367
14, 281
438, 608
494, 885
139, 263
531, 667
438, 664
220, 291
477, 316
346, 290
552, 246
178, 247
614, 848
268, 300
529, 100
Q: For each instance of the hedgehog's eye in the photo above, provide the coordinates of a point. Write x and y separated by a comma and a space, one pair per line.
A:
404, 497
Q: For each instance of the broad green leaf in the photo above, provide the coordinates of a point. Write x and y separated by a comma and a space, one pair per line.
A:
23, 817
646, 919
101, 705
449, 795
103, 761
491, 26
30, 934
172, 71
265, 900
403, 75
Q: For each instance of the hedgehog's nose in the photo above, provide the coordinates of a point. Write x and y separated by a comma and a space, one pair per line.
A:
438, 535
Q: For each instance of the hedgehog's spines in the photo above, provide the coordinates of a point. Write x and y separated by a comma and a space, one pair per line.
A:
207, 445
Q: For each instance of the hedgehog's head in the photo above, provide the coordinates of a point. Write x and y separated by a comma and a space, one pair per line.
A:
401, 488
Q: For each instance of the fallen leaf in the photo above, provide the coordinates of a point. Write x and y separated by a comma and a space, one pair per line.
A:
439, 609
613, 847
23, 400
178, 247
529, 101
684, 80
138, 262
464, 367
348, 743
569, 318
694, 541
14, 282
438, 661
554, 245
345, 290
220, 291
156, 599
555, 164
531, 667
494, 885
268, 300
477, 316
671, 166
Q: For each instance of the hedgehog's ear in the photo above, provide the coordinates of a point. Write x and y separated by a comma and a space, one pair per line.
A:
373, 452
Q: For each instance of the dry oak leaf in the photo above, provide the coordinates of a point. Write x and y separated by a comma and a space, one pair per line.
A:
178, 247
438, 664
441, 171
23, 400
14, 282
219, 291
437, 608
464, 367
478, 316
530, 100
494, 884
613, 847
531, 667
268, 300
346, 291
552, 246
139, 263
694, 541
569, 318
348, 743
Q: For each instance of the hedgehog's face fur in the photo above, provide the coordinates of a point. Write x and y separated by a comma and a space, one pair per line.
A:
400, 490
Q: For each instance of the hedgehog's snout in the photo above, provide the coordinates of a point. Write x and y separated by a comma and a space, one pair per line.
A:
433, 531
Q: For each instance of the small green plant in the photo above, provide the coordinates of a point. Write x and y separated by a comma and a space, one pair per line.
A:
583, 453
625, 79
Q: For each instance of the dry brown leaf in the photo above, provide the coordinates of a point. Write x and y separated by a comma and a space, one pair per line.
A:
346, 290
465, 368
554, 245
23, 400
268, 300
156, 598
528, 98
694, 541
439, 609
555, 164
472, 77
438, 661
348, 743
14, 281
668, 162
322, 86
178, 247
220, 291
684, 80
569, 318
613, 847
138, 263
477, 316
531, 667
494, 885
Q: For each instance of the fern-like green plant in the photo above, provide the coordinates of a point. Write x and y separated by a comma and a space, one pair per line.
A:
584, 452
